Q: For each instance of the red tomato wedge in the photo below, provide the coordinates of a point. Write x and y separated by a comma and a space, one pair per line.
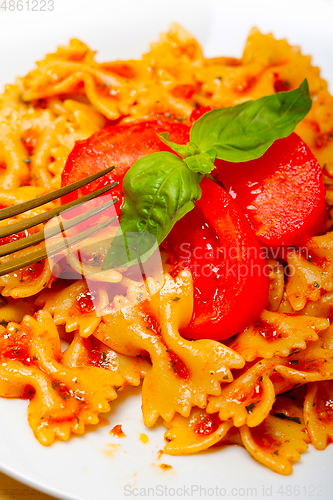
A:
282, 193
216, 244
121, 146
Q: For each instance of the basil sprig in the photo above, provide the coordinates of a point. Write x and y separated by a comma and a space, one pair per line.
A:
161, 188
159, 192
246, 131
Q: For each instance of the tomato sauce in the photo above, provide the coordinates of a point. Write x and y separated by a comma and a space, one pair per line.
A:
121, 69
28, 392
208, 425
268, 330
14, 237
117, 431
183, 91
262, 437
281, 85
29, 141
178, 366
84, 304
17, 347
324, 402
323, 140
97, 356
247, 84
31, 273
152, 324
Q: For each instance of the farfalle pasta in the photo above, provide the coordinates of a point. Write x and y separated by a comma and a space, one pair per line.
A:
269, 388
63, 399
180, 376
277, 442
277, 334
280, 439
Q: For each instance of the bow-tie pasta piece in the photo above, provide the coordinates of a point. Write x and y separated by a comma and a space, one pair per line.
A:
62, 400
327, 338
318, 413
15, 309
36, 277
73, 66
276, 334
311, 272
91, 352
311, 365
249, 398
196, 433
74, 306
321, 308
276, 287
278, 441
183, 372
28, 281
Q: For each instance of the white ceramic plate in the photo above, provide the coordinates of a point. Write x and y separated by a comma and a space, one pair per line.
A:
98, 466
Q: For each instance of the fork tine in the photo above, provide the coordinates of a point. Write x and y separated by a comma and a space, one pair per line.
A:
45, 216
63, 244
17, 245
8, 212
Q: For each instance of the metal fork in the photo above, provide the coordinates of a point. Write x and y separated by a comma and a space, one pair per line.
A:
14, 246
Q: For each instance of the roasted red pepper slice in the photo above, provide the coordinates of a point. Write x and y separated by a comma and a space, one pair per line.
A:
121, 146
216, 244
282, 193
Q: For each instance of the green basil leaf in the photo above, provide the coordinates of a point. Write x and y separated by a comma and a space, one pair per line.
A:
130, 248
201, 163
245, 132
181, 149
159, 190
